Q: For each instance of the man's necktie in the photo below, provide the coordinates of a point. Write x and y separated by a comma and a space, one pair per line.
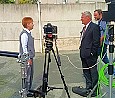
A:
84, 29
82, 33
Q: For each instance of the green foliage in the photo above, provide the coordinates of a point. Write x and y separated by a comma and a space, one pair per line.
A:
24, 1
7, 1
27, 1
19, 1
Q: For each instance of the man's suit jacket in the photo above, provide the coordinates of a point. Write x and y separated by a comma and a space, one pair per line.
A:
90, 41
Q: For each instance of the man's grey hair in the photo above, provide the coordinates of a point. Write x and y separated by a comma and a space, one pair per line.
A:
87, 13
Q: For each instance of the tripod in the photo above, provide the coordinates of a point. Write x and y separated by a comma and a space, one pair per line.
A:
45, 87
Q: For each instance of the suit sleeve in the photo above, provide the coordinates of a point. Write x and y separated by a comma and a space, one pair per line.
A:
96, 40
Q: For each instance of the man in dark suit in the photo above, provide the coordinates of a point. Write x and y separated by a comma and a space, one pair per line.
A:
90, 39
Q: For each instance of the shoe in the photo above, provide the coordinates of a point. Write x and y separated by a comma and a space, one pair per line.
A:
36, 93
88, 87
94, 94
75, 89
30, 94
80, 91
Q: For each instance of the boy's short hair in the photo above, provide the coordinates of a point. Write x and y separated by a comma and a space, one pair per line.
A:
26, 20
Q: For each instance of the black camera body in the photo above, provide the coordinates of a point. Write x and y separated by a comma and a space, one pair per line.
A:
110, 14
50, 32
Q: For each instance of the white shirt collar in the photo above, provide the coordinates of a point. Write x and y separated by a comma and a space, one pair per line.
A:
27, 30
88, 24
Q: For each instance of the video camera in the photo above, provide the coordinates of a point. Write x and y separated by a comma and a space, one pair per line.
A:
110, 14
50, 32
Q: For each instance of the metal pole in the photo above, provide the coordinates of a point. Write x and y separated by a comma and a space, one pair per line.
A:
110, 76
111, 51
39, 24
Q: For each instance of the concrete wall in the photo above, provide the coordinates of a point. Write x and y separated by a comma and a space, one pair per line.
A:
58, 1
67, 1
10, 25
65, 16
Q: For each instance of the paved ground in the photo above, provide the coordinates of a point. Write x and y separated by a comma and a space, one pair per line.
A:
10, 76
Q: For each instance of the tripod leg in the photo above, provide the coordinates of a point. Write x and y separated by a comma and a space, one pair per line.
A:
62, 76
45, 74
44, 85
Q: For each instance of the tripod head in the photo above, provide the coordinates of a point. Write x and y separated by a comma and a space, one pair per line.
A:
48, 46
